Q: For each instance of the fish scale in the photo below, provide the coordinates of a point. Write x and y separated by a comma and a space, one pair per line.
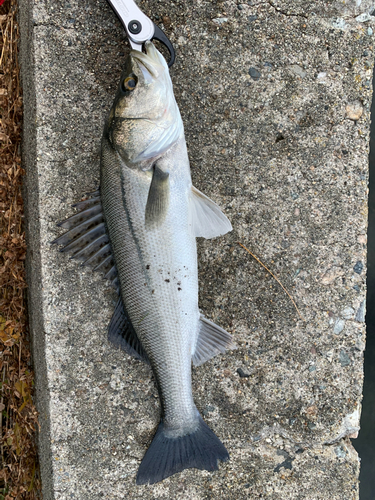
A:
142, 235
160, 312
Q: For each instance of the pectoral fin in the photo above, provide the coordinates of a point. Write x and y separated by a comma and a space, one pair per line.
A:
158, 198
206, 218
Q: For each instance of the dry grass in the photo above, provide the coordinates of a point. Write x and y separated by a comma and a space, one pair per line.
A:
19, 476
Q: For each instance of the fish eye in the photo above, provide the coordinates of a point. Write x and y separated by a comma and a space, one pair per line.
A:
129, 83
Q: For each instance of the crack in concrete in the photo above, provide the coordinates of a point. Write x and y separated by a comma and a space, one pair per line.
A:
286, 13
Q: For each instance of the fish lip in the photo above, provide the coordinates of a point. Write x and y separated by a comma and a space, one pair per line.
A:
149, 60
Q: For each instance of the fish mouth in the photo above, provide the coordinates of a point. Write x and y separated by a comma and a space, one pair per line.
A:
151, 60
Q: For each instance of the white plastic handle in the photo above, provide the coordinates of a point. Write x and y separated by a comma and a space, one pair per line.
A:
128, 11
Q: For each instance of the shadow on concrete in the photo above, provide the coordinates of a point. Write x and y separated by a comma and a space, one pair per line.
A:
365, 444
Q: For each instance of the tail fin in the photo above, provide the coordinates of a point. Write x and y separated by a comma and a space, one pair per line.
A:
166, 456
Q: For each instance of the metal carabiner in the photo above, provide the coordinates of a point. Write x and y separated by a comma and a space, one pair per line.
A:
139, 28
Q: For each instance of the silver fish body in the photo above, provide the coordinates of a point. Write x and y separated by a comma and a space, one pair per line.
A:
152, 215
157, 270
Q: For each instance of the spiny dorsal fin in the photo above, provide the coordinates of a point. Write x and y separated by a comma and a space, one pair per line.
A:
206, 218
87, 237
158, 198
211, 340
122, 334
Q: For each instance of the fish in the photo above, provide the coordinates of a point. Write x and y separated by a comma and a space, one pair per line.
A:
140, 228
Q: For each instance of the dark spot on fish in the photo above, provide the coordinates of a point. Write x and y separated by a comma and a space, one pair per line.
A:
152, 291
148, 266
179, 283
167, 281
179, 289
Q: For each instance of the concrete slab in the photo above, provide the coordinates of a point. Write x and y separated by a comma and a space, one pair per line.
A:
275, 97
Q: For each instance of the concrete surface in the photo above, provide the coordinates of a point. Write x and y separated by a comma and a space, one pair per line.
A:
275, 98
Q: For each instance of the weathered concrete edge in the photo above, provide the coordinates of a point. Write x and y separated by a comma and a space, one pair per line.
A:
33, 258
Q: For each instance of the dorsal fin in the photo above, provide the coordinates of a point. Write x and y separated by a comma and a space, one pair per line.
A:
122, 334
88, 239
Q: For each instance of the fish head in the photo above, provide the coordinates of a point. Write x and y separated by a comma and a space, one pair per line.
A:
144, 121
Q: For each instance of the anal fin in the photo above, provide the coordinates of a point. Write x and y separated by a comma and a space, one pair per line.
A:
122, 334
211, 340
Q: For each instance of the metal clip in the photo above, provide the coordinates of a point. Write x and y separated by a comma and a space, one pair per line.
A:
139, 28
